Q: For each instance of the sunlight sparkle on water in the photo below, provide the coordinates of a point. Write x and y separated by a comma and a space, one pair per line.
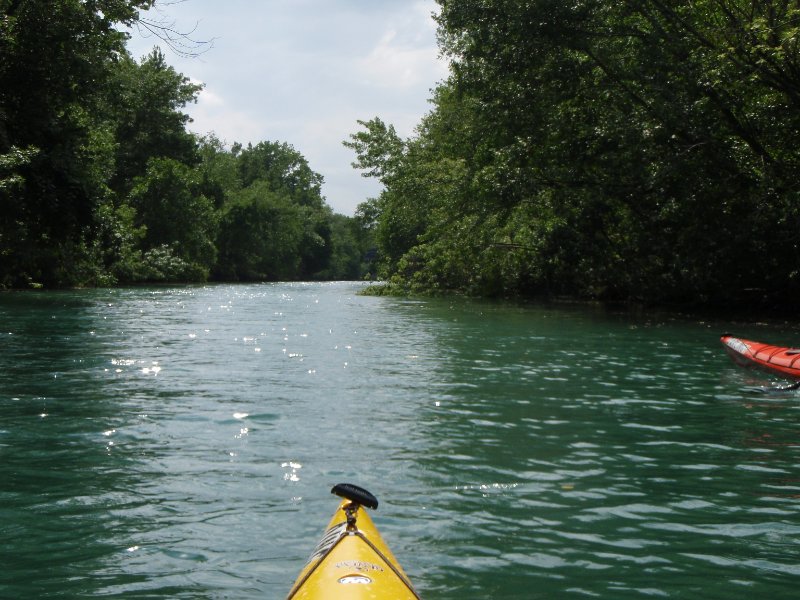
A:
292, 475
461, 406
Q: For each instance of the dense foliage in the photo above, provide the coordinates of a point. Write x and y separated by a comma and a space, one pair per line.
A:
101, 183
620, 150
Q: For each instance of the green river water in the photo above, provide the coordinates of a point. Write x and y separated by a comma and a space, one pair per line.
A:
182, 442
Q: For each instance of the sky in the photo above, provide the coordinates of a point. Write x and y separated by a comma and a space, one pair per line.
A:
303, 72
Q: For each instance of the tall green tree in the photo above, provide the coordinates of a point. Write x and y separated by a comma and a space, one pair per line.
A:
101, 183
149, 97
626, 150
219, 171
260, 235
284, 169
54, 66
346, 260
176, 216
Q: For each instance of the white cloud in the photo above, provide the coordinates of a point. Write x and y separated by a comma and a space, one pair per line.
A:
394, 64
207, 98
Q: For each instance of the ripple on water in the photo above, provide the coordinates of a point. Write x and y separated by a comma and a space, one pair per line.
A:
564, 451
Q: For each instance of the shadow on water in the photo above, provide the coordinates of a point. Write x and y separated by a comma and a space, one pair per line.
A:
60, 477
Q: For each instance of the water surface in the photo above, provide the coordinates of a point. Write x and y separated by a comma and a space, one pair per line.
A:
181, 443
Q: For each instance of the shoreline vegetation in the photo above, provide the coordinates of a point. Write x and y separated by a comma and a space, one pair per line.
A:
622, 152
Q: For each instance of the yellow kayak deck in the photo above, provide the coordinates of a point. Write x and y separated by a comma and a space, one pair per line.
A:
351, 561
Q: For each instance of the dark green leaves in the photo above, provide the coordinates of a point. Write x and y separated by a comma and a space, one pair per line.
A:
618, 150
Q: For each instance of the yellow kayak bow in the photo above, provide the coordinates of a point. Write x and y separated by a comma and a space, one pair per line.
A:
351, 561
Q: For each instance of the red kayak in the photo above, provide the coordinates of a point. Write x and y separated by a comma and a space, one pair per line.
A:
777, 359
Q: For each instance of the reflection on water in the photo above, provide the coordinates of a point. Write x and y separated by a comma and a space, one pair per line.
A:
181, 443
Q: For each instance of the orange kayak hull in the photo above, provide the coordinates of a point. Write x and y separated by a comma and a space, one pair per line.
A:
776, 359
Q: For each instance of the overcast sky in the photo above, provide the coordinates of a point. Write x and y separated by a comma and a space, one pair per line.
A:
303, 72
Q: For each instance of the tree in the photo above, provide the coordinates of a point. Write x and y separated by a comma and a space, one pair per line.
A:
54, 66
617, 150
316, 244
284, 169
175, 215
148, 103
260, 235
218, 169
100, 181
379, 150
345, 262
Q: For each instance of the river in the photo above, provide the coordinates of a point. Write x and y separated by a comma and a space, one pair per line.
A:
181, 442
